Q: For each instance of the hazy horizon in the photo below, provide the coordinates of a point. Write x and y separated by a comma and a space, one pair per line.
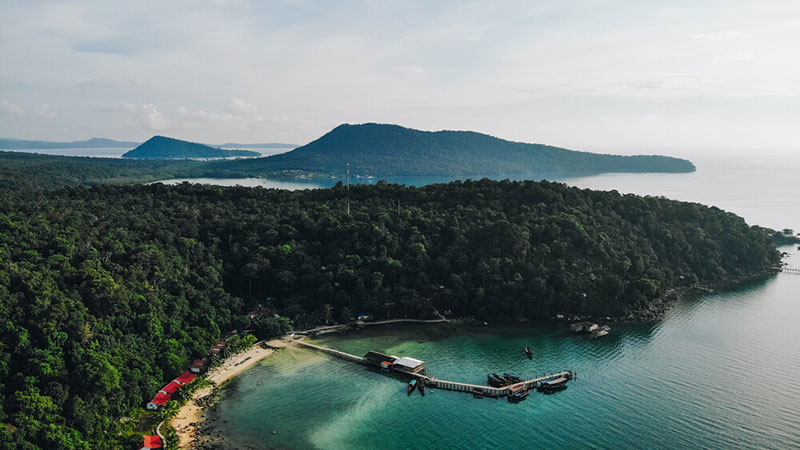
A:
611, 76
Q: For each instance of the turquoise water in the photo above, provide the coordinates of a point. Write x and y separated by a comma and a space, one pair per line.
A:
721, 371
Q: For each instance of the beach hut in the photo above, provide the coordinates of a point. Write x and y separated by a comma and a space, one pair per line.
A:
150, 442
158, 401
170, 388
218, 347
186, 377
198, 366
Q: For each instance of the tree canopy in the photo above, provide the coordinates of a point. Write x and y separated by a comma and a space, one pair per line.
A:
107, 292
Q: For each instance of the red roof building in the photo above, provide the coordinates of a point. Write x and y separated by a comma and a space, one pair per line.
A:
186, 377
151, 442
199, 365
171, 387
158, 401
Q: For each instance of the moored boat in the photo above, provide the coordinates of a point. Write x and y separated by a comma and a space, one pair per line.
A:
411, 386
422, 388
512, 378
503, 381
552, 385
494, 382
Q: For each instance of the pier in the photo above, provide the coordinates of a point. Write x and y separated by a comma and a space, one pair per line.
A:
361, 324
790, 269
433, 382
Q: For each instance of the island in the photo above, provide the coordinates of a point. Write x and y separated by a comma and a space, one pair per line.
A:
160, 147
383, 150
22, 144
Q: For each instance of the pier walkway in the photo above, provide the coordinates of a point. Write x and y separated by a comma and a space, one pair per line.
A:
366, 324
790, 269
433, 382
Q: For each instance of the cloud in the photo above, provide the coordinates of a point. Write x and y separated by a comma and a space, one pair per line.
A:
113, 83
45, 111
411, 70
736, 57
240, 107
721, 36
118, 45
11, 108
237, 115
150, 118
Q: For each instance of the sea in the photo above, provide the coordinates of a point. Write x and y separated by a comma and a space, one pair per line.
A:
721, 371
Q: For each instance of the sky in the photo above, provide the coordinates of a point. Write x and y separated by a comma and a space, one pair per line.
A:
605, 75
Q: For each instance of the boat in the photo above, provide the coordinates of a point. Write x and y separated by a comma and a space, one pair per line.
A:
422, 389
517, 394
495, 381
553, 385
503, 381
512, 378
411, 386
528, 353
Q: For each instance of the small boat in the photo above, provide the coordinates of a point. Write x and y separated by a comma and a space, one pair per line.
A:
512, 378
411, 386
422, 389
495, 381
528, 353
517, 397
503, 381
553, 385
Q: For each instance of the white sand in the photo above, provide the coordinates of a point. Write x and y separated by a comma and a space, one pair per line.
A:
190, 416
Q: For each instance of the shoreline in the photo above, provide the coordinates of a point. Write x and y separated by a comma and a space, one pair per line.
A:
191, 423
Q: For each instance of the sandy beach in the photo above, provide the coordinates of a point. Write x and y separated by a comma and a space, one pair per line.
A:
190, 420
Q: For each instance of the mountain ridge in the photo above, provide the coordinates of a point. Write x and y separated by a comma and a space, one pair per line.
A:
393, 150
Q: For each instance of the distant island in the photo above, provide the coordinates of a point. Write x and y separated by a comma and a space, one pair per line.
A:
391, 150
22, 144
258, 145
160, 147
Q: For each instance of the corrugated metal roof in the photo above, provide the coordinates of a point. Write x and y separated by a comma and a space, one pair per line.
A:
152, 441
186, 377
160, 398
408, 362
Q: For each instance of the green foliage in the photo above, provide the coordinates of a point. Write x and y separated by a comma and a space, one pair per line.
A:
107, 293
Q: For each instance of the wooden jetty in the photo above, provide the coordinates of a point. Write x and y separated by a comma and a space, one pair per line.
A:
790, 269
433, 382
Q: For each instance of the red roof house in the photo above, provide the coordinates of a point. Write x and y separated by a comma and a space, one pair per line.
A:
171, 387
216, 348
158, 401
151, 442
186, 377
199, 365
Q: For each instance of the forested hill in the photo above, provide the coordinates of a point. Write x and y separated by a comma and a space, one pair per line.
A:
390, 150
108, 292
160, 147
